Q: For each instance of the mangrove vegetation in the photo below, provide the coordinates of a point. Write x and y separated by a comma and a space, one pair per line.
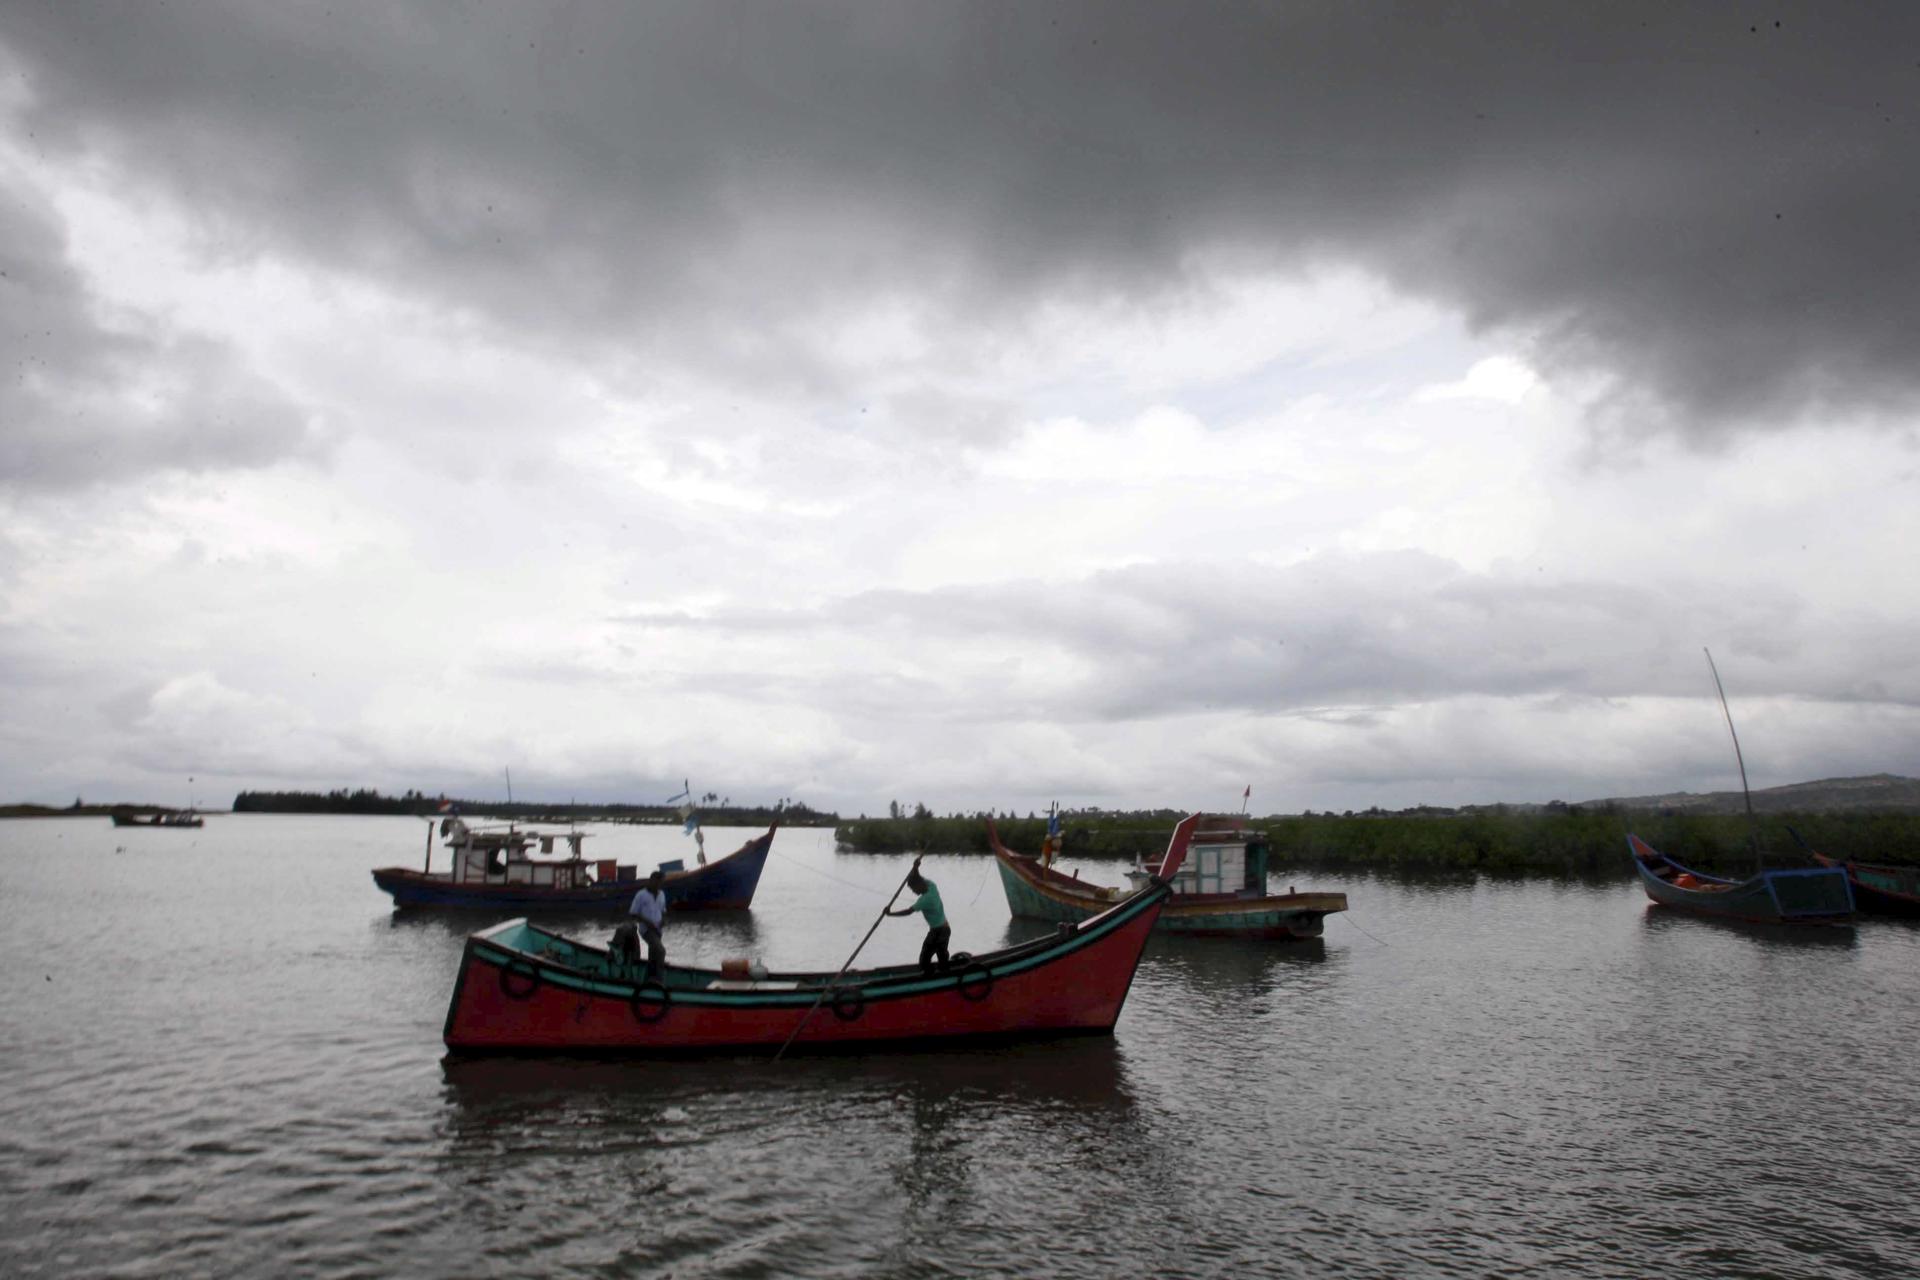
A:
1557, 840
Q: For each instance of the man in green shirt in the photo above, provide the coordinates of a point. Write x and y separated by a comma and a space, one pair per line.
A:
928, 904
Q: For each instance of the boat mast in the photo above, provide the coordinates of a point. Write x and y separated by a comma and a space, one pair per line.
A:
1753, 825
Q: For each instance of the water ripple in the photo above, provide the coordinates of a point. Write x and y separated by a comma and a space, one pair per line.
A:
232, 1078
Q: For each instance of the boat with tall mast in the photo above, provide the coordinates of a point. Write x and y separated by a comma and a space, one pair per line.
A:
1820, 895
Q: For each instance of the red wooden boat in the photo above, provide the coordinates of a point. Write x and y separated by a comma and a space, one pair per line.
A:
523, 989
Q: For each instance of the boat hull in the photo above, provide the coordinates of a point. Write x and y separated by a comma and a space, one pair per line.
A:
726, 884
1819, 895
1038, 893
128, 820
522, 990
1881, 890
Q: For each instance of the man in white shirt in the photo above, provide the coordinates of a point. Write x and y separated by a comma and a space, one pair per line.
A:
650, 910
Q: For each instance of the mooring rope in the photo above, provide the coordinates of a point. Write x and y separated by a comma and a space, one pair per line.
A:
1347, 917
983, 882
826, 875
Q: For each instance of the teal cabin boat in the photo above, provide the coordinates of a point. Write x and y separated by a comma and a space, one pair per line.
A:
1221, 890
1880, 890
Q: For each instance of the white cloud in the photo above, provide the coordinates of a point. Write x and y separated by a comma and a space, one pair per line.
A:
862, 463
1499, 378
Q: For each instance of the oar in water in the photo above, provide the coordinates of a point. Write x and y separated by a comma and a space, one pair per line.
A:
815, 1006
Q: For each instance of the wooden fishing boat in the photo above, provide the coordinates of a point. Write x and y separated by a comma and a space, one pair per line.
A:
1878, 889
1817, 895
168, 818
1221, 890
524, 989
496, 870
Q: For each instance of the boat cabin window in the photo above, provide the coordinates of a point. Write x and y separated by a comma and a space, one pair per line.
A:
1255, 879
1213, 868
474, 864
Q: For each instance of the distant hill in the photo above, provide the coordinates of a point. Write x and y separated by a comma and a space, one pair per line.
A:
1879, 793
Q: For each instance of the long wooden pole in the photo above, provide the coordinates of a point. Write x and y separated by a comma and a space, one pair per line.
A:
1753, 824
815, 1006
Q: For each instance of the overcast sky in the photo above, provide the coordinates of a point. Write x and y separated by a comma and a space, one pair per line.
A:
968, 404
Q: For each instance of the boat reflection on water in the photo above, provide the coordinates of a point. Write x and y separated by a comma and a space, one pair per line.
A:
1234, 960
1660, 920
1081, 1074
696, 1162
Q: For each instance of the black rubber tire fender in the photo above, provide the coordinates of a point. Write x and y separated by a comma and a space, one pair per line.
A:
660, 1007
508, 971
975, 982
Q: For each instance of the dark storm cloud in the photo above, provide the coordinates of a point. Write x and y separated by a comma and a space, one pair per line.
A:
85, 399
1708, 210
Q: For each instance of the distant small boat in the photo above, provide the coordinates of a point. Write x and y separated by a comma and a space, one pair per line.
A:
1881, 890
495, 870
1221, 890
1818, 895
523, 989
186, 818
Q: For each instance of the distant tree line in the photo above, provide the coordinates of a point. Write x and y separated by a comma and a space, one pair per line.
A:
359, 800
1560, 840
364, 800
1085, 833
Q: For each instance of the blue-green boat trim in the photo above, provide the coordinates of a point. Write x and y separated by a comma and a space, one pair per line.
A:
493, 945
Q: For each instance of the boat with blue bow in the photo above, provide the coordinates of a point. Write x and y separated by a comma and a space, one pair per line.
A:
496, 869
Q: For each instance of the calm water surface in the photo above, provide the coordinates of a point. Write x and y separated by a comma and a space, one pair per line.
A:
221, 1056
